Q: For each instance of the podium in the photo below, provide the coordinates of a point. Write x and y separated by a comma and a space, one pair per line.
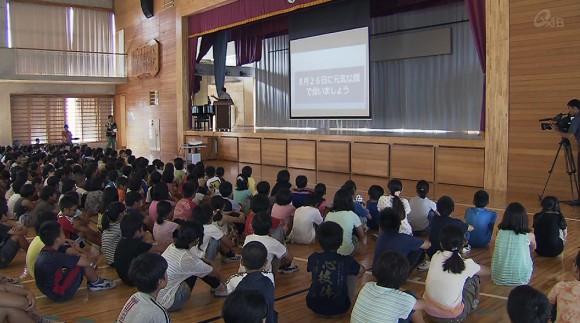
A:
223, 119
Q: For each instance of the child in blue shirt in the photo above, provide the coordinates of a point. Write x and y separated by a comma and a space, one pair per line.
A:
375, 192
481, 219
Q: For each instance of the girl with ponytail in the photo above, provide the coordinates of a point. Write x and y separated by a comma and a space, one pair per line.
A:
398, 203
452, 285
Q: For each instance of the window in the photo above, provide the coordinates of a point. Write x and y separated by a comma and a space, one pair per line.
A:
43, 117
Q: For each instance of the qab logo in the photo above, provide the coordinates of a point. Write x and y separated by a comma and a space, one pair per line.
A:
544, 19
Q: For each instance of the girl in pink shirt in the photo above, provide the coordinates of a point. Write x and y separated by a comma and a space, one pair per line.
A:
283, 209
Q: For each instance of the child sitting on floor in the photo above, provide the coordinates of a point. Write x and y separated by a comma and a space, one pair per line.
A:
526, 304
112, 231
306, 218
512, 263
565, 296
395, 187
445, 207
164, 226
333, 275
59, 269
550, 228
300, 193
452, 284
148, 272
482, 220
375, 192
383, 300
421, 207
254, 258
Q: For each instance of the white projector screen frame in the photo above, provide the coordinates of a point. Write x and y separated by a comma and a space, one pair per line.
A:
329, 76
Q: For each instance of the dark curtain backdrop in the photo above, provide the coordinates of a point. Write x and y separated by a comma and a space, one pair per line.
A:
476, 12
193, 84
220, 48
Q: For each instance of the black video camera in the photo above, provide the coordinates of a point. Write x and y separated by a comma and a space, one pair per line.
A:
561, 122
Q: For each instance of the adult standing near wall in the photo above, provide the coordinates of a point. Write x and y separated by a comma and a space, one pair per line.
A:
111, 131
66, 136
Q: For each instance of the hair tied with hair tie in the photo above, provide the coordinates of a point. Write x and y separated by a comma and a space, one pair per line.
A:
216, 211
397, 193
454, 249
239, 178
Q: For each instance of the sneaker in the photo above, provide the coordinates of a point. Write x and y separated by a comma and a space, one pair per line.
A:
221, 291
234, 258
101, 284
466, 250
475, 304
292, 268
424, 266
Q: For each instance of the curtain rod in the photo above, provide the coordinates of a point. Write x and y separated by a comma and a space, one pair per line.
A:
56, 4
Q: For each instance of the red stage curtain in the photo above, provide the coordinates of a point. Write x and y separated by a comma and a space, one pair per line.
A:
193, 82
248, 38
476, 12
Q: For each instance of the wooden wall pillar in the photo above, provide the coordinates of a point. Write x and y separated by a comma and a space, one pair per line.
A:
497, 94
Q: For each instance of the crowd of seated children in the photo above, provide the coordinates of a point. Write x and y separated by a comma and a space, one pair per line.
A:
334, 276
383, 300
343, 214
208, 219
511, 263
421, 206
301, 191
184, 267
306, 219
481, 219
395, 187
254, 260
148, 273
550, 228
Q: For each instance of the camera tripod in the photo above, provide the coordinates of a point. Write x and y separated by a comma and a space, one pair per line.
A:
570, 170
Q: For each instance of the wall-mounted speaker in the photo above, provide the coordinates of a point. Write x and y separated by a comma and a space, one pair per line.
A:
147, 7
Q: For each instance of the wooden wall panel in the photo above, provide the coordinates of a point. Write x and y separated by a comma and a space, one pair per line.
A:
412, 162
250, 150
228, 148
370, 159
543, 77
302, 154
333, 156
461, 166
138, 32
274, 152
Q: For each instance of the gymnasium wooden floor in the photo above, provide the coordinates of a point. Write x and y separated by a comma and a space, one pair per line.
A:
291, 289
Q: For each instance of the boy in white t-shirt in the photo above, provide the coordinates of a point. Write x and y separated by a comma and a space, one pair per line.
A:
148, 273
306, 218
277, 252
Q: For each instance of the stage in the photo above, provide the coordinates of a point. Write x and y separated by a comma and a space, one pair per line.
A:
446, 158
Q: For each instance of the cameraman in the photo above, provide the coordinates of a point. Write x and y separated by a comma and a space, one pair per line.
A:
574, 130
